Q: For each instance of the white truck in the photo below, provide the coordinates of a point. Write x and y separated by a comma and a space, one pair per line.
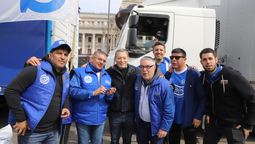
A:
227, 26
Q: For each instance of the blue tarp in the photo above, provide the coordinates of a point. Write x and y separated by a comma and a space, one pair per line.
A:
18, 42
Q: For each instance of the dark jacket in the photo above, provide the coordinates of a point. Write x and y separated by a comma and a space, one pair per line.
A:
231, 99
194, 97
123, 100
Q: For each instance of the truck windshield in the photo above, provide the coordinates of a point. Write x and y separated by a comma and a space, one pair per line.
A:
151, 28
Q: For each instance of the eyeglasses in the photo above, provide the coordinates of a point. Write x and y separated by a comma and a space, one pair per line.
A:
145, 67
101, 59
176, 57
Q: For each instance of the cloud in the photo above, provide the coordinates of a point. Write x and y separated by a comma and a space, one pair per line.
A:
100, 6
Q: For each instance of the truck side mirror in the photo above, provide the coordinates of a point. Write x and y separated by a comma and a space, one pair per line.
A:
133, 21
131, 38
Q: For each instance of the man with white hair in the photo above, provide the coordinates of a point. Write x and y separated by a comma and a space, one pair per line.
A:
154, 103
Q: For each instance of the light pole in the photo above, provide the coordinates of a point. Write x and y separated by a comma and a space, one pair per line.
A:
108, 26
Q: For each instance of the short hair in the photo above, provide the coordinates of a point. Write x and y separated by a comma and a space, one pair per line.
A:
121, 50
207, 50
148, 58
159, 43
99, 51
179, 50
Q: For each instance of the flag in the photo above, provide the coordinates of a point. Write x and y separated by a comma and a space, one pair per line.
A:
26, 10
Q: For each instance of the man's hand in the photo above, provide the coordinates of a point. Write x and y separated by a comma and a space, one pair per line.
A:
84, 65
111, 91
21, 127
162, 76
71, 56
161, 133
171, 69
246, 132
65, 113
194, 67
196, 123
33, 61
100, 90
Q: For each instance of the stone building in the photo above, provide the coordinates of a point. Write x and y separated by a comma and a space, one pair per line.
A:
93, 30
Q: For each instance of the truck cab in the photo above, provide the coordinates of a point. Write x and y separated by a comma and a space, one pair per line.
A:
189, 28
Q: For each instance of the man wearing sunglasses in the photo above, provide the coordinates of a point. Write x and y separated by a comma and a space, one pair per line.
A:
189, 96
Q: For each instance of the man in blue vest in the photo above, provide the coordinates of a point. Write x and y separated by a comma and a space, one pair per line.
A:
38, 98
154, 103
90, 90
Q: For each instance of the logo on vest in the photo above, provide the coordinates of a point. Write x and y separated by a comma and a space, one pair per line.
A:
88, 79
107, 82
136, 86
44, 79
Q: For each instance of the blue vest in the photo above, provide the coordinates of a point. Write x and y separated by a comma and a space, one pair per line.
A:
36, 99
89, 109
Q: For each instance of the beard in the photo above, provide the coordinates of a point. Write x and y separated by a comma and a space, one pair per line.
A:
158, 59
209, 71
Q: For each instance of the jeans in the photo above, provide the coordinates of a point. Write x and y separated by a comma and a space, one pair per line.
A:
40, 138
144, 134
90, 132
188, 132
121, 123
213, 134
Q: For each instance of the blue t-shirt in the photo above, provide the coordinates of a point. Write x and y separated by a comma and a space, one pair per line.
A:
178, 79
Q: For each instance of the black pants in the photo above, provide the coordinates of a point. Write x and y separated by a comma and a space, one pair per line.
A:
214, 134
175, 134
121, 123
65, 134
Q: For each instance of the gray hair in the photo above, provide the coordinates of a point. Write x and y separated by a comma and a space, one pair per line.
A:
148, 58
121, 50
101, 52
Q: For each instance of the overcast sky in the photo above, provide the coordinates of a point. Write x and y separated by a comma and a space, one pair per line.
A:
98, 6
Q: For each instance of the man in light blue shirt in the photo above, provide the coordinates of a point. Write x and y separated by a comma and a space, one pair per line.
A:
159, 51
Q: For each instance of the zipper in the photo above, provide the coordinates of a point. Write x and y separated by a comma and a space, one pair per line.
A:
213, 98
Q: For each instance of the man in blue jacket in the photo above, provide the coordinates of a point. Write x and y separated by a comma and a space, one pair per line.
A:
38, 98
154, 104
189, 96
90, 90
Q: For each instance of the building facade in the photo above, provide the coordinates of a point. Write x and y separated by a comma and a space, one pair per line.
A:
93, 30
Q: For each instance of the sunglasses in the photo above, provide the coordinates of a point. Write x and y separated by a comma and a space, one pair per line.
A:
176, 57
